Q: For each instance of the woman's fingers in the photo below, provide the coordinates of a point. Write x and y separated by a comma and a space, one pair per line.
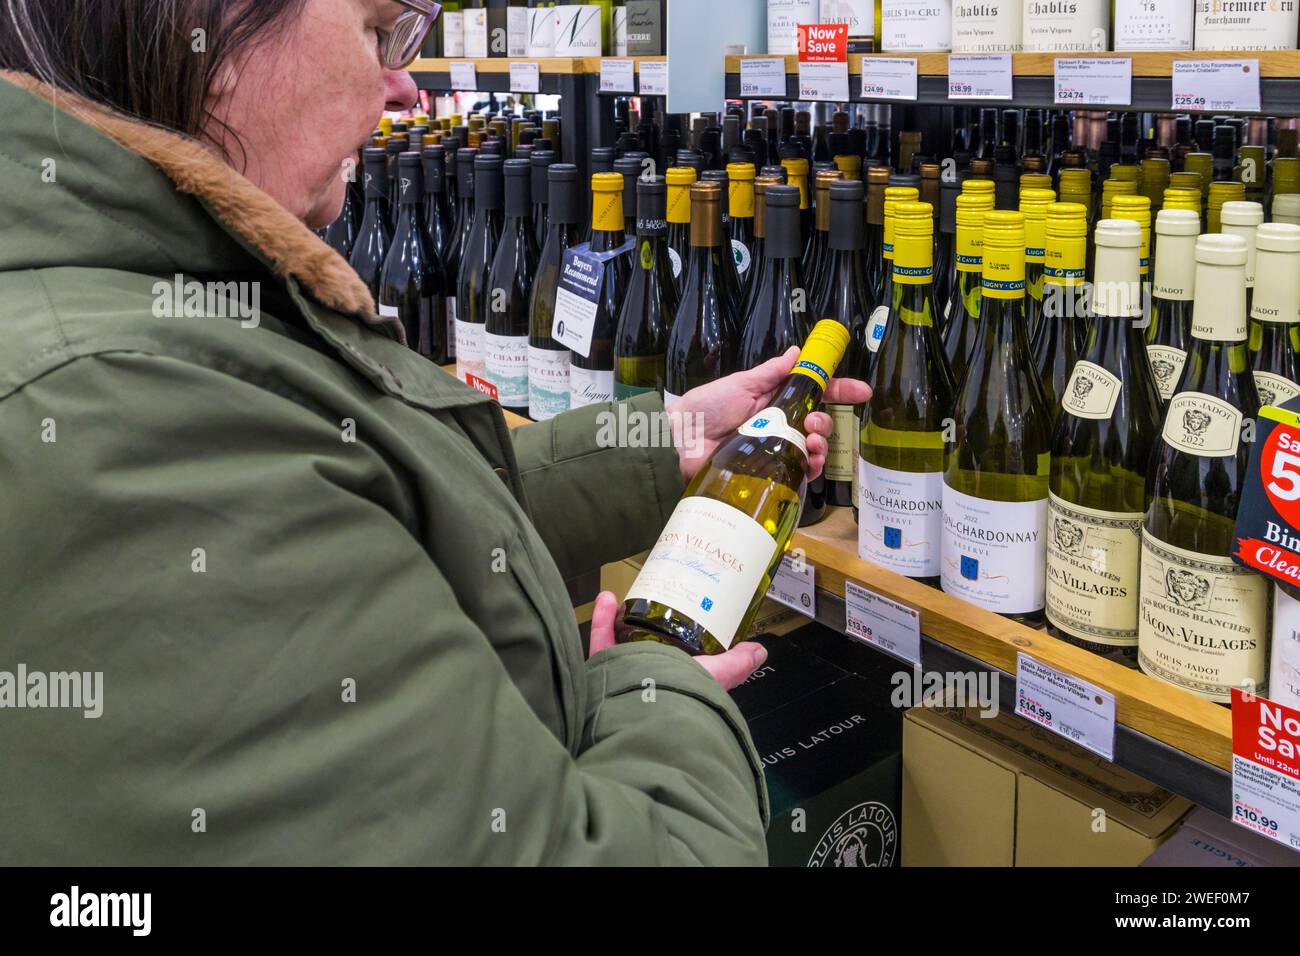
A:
847, 391
602, 622
733, 667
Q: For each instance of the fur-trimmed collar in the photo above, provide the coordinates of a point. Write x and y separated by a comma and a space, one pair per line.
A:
288, 245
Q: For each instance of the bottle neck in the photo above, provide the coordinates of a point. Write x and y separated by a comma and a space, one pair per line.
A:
607, 240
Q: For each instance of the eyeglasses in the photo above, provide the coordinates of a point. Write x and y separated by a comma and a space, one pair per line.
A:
402, 45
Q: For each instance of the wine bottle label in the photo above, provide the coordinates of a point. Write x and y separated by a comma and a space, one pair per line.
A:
740, 252
590, 386
1143, 25
453, 33
783, 19
676, 260
1071, 26
1167, 365
915, 26
900, 519
476, 33
1092, 572
469, 349
548, 382
389, 312
451, 326
876, 326
506, 361
578, 31
860, 15
1091, 392
1284, 670
844, 439
994, 552
1246, 24
772, 423
1202, 425
1204, 620
1275, 389
991, 26
670, 400
541, 31
517, 31
707, 565
620, 31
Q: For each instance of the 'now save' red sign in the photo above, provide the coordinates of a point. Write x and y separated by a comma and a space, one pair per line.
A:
823, 43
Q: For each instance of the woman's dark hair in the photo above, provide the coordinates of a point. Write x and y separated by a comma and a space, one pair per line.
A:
151, 59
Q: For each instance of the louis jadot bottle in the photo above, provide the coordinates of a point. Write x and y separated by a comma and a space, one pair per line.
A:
1275, 313
1169, 336
996, 471
1109, 425
705, 578
900, 468
1242, 219
1204, 619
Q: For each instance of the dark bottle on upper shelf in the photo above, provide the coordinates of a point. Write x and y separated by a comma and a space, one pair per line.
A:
373, 238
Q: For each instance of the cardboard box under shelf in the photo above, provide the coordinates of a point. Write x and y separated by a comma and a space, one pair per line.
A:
998, 791
1207, 839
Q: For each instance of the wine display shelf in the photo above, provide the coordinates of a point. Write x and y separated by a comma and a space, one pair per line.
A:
494, 72
1168, 736
1034, 86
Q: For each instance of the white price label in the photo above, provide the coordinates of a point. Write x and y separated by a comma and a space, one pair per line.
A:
979, 76
1094, 81
795, 586
824, 81
886, 624
764, 78
1076, 710
889, 78
1217, 86
525, 77
654, 77
618, 76
463, 76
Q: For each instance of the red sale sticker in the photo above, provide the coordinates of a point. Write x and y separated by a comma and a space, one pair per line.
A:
823, 43
482, 385
1266, 767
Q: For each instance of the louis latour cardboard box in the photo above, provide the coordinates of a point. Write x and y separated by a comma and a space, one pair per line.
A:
998, 791
831, 748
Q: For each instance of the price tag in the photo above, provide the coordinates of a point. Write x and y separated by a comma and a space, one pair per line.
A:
794, 585
1217, 86
1094, 81
463, 76
618, 76
764, 78
889, 78
654, 77
1266, 768
525, 77
1076, 710
979, 76
824, 81
577, 298
886, 624
824, 62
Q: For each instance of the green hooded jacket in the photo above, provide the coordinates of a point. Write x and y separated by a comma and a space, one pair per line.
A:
322, 581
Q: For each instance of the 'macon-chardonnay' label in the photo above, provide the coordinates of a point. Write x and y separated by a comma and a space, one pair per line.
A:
708, 564
900, 519
1204, 620
1092, 572
994, 552
1203, 425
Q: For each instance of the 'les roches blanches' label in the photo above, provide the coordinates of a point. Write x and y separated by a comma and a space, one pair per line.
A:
1091, 392
708, 564
994, 552
1202, 425
900, 519
1204, 620
548, 382
1092, 572
1167, 365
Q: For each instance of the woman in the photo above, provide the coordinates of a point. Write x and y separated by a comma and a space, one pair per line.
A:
321, 583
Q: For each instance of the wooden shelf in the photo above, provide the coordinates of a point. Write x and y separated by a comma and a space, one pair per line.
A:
1166, 713
561, 65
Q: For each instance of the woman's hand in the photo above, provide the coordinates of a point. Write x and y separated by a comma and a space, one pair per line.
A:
728, 669
724, 405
